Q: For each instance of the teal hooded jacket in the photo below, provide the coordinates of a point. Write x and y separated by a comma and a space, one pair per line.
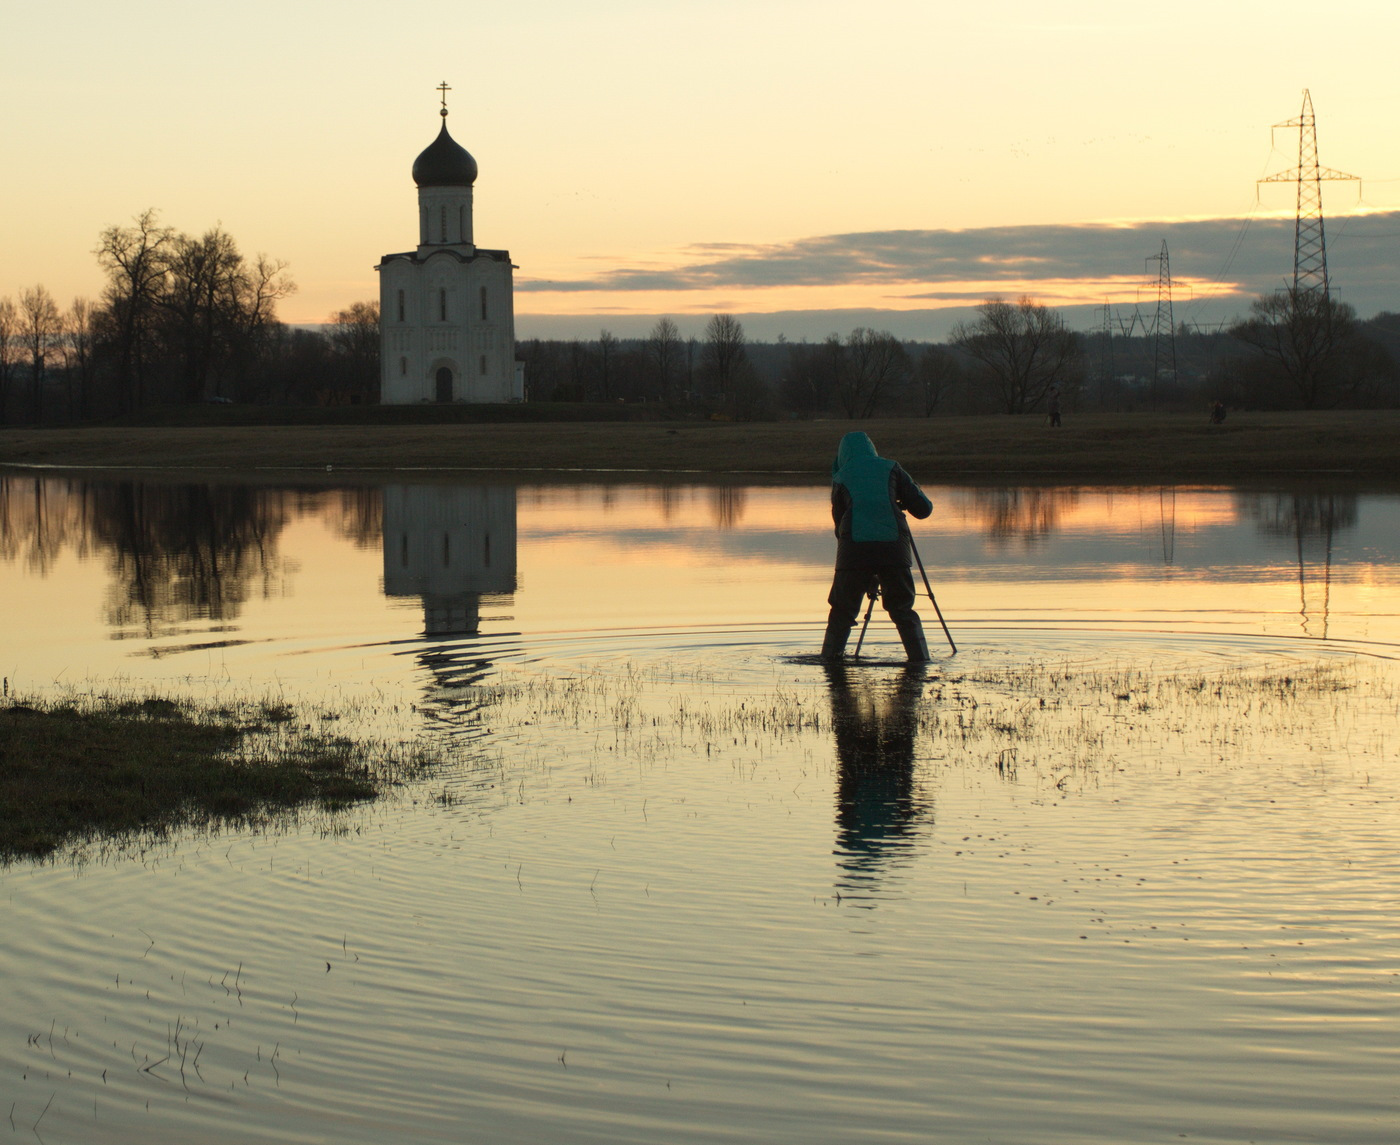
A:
869, 496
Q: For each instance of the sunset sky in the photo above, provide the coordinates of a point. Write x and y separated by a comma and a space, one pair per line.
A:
810, 166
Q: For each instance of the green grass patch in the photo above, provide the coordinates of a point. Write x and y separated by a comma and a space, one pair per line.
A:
104, 767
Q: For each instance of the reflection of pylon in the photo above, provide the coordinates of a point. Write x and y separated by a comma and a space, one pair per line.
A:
1163, 326
1309, 234
1167, 514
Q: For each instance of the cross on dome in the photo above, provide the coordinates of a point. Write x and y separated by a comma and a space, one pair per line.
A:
445, 163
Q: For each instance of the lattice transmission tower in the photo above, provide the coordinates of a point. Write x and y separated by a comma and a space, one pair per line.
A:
1163, 325
1309, 234
1105, 344
1128, 323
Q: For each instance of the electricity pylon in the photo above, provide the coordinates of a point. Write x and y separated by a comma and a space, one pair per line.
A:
1126, 326
1106, 342
1163, 344
1309, 234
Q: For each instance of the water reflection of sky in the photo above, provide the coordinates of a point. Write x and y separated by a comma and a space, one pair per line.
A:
252, 579
682, 884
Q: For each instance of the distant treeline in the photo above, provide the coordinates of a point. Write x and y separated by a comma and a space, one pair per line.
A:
1010, 359
182, 319
187, 319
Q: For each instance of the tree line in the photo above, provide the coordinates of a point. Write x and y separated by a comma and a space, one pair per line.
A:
1291, 352
181, 318
186, 319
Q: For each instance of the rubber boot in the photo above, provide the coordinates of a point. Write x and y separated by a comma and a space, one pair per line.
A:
911, 633
838, 631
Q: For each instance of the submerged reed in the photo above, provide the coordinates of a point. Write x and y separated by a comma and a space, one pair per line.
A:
1064, 723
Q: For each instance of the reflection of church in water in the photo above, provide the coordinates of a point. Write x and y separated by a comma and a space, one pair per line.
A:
453, 546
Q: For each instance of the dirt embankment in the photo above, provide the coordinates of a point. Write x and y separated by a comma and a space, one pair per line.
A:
1103, 447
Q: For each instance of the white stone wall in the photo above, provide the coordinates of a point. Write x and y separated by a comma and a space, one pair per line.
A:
431, 318
444, 216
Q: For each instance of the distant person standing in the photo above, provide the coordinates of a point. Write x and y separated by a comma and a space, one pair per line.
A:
1054, 407
869, 496
1217, 412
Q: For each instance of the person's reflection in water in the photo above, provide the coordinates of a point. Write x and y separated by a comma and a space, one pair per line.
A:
878, 808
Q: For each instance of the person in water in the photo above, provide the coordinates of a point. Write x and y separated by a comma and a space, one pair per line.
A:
869, 496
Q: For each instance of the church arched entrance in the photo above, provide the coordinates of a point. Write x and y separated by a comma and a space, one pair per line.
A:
444, 384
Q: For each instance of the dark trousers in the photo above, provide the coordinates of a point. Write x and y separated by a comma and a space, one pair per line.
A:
849, 586
848, 589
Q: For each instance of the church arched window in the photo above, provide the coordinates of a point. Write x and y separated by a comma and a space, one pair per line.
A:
442, 214
403, 366
442, 304
483, 363
483, 304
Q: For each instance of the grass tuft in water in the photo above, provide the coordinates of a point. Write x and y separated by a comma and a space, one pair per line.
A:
107, 766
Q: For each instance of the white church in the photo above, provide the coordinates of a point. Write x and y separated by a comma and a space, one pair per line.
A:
447, 308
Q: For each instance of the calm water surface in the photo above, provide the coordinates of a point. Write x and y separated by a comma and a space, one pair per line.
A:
1126, 868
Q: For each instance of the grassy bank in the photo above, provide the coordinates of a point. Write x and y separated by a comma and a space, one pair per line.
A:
102, 769
1104, 447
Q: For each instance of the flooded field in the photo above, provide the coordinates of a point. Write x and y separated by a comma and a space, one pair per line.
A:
1125, 868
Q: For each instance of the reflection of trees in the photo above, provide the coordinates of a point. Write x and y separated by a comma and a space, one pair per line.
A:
727, 503
1025, 514
180, 552
667, 498
356, 514
1311, 520
1308, 514
39, 518
877, 806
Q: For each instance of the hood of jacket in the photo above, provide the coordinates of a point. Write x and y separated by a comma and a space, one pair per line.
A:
855, 446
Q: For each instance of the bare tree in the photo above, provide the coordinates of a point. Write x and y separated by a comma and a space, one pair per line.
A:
663, 351
607, 350
354, 336
1306, 337
135, 259
873, 363
258, 289
80, 342
807, 381
9, 350
725, 352
199, 304
937, 373
42, 330
1024, 350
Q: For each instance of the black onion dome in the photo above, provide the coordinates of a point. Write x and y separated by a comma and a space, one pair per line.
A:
444, 163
